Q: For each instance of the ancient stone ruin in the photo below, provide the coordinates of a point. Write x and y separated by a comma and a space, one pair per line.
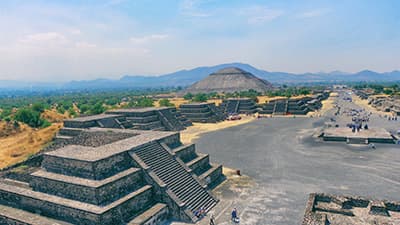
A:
325, 209
229, 79
294, 106
238, 105
111, 176
202, 112
159, 119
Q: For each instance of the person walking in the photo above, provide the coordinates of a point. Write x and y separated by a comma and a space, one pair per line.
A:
212, 219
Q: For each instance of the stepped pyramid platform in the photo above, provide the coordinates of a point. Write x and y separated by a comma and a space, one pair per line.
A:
113, 176
325, 209
150, 118
201, 112
294, 106
238, 105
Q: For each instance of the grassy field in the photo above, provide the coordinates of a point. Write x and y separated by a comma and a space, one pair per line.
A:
24, 143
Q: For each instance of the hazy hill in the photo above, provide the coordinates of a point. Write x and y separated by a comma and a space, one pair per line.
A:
188, 77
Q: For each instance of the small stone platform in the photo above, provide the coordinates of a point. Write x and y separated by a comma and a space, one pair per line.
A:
345, 134
325, 209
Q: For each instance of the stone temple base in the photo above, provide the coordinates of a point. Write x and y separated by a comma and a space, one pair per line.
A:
325, 209
344, 134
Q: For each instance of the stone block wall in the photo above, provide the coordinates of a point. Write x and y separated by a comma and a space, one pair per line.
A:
98, 195
97, 170
186, 153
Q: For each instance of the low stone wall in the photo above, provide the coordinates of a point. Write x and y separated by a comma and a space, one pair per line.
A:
114, 215
200, 165
97, 170
213, 176
143, 119
80, 124
98, 195
186, 153
334, 138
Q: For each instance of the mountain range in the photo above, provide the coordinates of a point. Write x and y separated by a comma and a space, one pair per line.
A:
188, 77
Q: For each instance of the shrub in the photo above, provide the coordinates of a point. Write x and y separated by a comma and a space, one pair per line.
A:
200, 98
165, 102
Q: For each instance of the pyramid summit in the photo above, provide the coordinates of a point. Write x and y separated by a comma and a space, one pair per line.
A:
230, 79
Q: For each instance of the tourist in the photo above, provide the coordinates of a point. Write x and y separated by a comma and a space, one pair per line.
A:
197, 213
202, 211
212, 219
235, 218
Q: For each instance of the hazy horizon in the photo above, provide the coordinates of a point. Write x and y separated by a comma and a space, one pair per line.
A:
76, 40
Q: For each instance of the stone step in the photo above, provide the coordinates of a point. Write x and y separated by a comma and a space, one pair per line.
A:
157, 214
62, 137
144, 119
175, 176
68, 131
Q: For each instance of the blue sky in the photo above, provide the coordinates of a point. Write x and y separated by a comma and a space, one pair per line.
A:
65, 40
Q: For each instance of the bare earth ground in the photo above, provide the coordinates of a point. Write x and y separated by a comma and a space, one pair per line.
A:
193, 132
364, 103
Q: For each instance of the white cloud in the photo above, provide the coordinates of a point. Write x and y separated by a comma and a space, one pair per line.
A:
75, 31
314, 13
49, 37
260, 14
148, 38
192, 8
85, 45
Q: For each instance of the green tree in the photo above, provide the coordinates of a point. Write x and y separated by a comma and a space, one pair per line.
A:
200, 97
38, 107
97, 108
145, 102
165, 102
188, 96
31, 117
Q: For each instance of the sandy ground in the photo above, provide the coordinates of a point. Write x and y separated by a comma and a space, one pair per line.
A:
364, 104
193, 132
19, 147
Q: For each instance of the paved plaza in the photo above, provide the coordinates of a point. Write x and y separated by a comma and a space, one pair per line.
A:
287, 164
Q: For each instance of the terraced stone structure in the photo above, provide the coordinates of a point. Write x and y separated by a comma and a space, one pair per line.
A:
230, 79
238, 105
325, 209
291, 106
201, 112
131, 177
159, 119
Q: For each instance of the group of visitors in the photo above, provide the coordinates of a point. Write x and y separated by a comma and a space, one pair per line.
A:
200, 213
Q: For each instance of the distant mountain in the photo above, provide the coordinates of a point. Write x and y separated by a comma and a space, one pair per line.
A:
188, 77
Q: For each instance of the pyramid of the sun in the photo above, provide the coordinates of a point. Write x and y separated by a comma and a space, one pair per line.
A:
230, 79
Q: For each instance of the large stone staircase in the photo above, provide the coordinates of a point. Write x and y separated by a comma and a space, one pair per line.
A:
176, 176
280, 108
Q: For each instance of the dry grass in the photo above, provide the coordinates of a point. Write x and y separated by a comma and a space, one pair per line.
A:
364, 103
194, 132
53, 116
28, 141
